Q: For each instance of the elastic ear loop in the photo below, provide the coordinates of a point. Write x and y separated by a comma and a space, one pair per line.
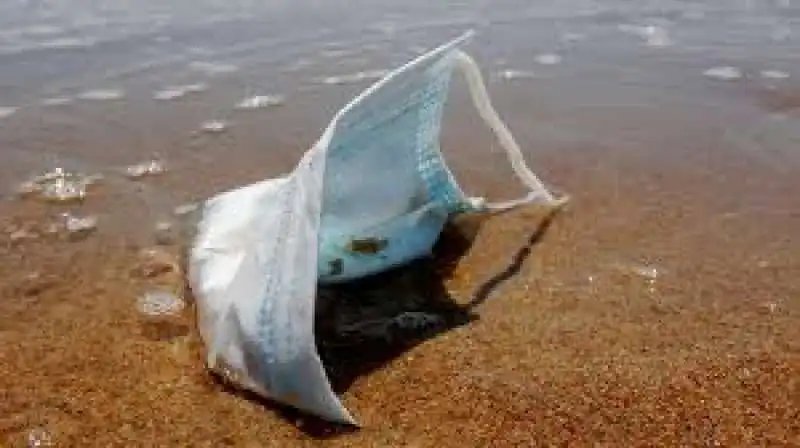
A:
538, 193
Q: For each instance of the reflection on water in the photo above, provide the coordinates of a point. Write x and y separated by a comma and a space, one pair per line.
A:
577, 56
51, 45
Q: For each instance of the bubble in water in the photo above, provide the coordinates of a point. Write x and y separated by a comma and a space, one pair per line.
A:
57, 101
58, 185
781, 34
7, 111
92, 179
646, 272
51, 175
724, 73
335, 53
693, 14
101, 94
548, 59
150, 167
573, 37
657, 37
354, 77
39, 438
213, 68
260, 101
654, 35
195, 88
170, 93
65, 43
42, 30
774, 74
298, 65
164, 233
214, 126
63, 190
175, 92
28, 188
159, 303
515, 74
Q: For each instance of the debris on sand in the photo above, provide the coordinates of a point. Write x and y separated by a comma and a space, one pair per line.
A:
159, 303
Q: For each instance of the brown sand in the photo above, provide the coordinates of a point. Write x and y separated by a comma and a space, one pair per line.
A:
556, 338
557, 334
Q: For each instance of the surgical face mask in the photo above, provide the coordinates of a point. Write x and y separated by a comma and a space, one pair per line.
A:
372, 194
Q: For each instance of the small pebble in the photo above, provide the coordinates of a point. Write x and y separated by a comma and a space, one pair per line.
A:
79, 227
772, 307
159, 304
154, 263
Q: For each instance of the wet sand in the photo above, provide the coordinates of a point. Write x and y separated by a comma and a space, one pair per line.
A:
661, 307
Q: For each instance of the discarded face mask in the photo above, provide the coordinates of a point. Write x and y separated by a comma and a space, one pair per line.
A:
373, 193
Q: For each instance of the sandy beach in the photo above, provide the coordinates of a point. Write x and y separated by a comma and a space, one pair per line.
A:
660, 308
